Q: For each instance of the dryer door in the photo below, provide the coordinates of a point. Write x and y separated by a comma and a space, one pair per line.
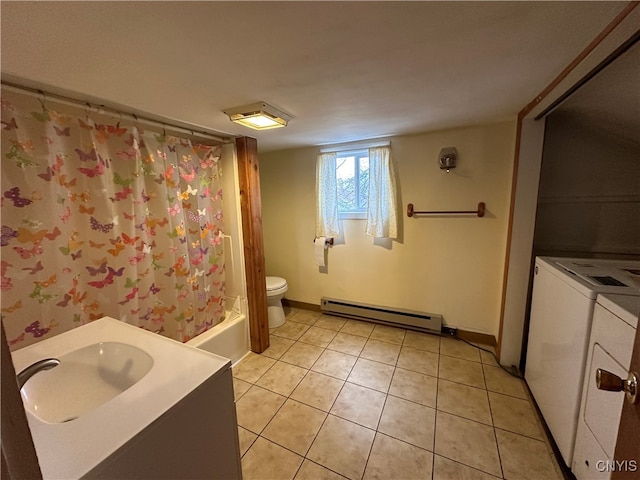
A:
603, 409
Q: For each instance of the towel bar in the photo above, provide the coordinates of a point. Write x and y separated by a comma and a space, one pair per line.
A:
479, 212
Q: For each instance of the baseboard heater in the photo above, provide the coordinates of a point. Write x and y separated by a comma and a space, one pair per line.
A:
395, 317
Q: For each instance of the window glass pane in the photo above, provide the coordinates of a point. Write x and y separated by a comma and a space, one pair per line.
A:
363, 182
345, 172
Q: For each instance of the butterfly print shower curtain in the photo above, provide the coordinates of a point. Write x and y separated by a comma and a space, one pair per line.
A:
100, 218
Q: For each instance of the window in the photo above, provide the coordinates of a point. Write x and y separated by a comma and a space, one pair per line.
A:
356, 184
352, 176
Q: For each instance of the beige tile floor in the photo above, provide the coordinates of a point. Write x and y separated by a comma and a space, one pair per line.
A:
333, 398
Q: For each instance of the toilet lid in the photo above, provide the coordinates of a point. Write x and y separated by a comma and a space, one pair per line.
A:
274, 283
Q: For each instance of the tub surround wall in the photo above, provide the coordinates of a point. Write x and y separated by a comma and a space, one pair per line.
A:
452, 265
235, 283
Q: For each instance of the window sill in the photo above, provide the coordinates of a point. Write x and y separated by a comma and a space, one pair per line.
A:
352, 215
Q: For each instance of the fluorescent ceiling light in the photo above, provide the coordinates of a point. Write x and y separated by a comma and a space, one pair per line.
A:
259, 116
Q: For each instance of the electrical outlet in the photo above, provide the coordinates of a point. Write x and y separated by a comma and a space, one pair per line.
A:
451, 331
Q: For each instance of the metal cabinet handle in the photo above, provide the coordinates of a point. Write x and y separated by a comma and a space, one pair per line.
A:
611, 382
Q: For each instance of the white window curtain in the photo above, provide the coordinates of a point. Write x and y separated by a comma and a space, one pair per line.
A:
327, 224
382, 210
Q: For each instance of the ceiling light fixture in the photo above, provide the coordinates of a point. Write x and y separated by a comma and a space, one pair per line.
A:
259, 116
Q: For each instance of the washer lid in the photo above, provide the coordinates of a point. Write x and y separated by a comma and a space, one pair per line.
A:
593, 276
275, 283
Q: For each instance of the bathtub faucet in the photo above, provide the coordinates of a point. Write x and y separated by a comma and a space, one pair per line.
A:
31, 370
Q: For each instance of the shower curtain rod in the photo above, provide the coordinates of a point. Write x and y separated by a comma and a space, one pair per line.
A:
102, 109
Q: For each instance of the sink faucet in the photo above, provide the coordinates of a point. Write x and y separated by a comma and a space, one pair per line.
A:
34, 368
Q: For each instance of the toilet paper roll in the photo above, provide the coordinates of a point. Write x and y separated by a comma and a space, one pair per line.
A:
319, 245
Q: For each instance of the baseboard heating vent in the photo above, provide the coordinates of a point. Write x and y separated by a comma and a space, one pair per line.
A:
386, 315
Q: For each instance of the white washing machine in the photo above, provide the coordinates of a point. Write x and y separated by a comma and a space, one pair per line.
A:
564, 295
615, 321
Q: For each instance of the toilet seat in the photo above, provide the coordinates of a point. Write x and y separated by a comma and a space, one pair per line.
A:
276, 286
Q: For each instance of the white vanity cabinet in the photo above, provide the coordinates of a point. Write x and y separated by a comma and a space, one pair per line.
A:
195, 439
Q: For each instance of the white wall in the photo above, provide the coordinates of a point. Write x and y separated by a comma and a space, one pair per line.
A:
449, 265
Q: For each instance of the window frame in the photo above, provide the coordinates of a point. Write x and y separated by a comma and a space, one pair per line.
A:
357, 154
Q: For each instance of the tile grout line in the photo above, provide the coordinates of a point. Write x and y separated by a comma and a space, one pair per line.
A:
387, 392
435, 420
289, 397
468, 466
493, 427
435, 429
304, 457
331, 407
386, 397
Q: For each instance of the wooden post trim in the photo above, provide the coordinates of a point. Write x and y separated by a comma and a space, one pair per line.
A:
251, 212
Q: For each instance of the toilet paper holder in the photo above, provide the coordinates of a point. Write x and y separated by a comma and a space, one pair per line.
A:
327, 241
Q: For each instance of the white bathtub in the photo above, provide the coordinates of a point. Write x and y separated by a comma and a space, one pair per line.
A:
229, 339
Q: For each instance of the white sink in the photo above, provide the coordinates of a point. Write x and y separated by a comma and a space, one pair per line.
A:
85, 379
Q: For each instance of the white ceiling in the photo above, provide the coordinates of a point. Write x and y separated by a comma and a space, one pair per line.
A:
345, 70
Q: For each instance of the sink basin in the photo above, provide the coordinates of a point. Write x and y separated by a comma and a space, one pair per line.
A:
85, 379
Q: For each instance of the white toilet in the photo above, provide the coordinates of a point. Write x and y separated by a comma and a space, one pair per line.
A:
276, 288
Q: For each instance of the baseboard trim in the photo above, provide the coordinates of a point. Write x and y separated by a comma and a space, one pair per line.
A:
473, 337
304, 306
